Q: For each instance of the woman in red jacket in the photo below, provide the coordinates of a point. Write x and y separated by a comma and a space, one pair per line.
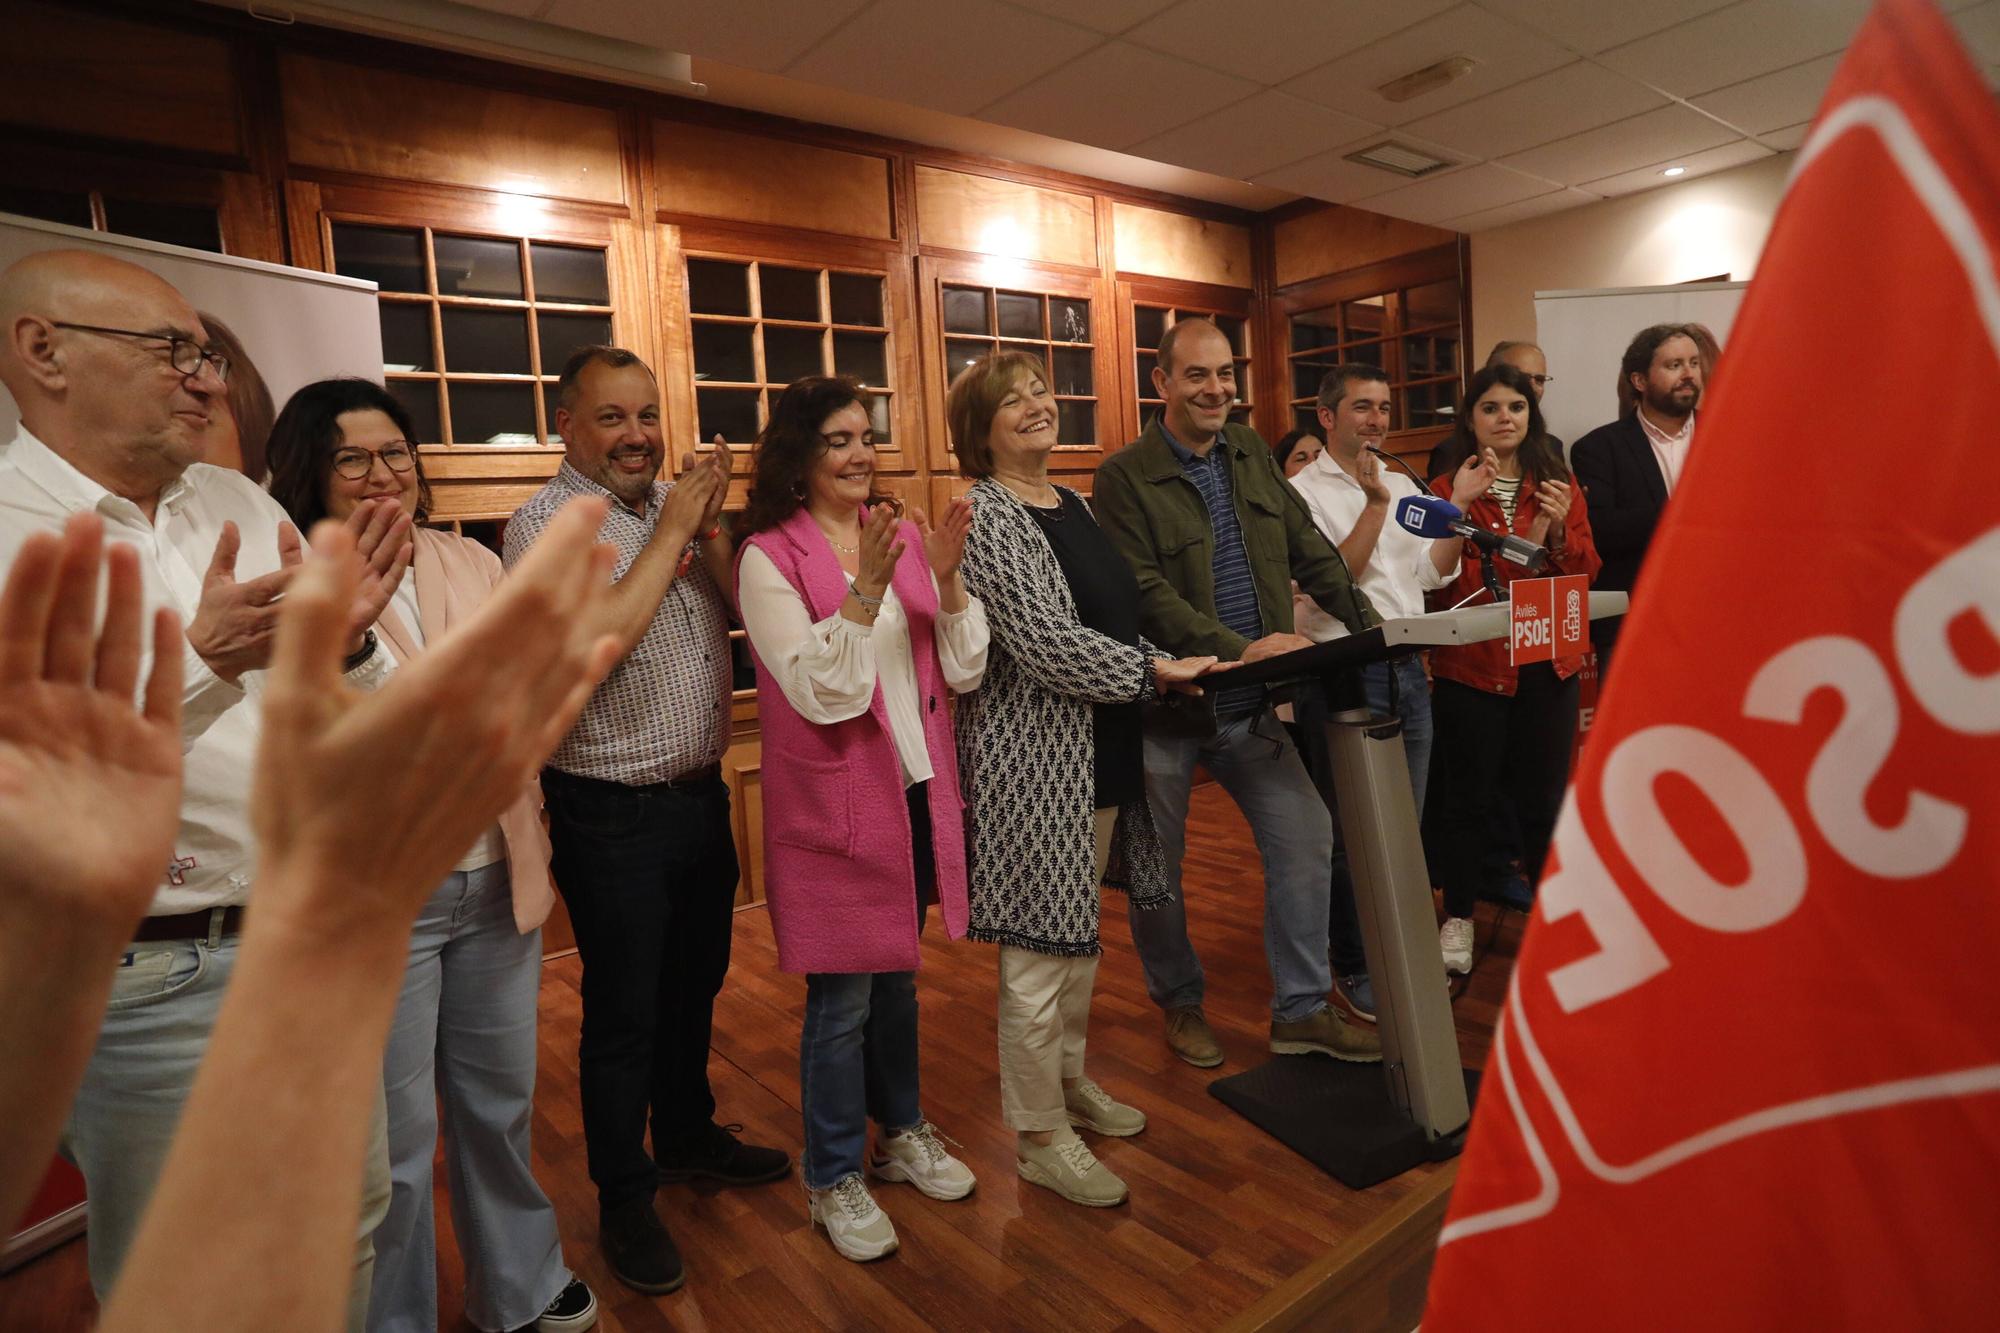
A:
1502, 731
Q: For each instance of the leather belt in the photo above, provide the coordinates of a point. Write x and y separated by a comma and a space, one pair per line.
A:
214, 922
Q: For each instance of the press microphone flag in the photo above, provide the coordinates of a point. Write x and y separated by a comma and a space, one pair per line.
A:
1746, 1076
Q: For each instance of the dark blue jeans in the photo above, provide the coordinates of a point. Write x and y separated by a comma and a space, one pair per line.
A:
649, 876
858, 1048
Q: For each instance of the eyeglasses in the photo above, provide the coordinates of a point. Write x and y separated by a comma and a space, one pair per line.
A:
354, 464
1540, 380
186, 354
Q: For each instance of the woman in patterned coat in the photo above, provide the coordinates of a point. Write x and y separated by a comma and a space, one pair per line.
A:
1050, 764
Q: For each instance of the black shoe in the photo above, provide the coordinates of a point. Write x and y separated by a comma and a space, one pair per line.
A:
717, 1154
572, 1311
641, 1253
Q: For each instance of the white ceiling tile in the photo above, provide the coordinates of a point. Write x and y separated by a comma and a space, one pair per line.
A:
1786, 139
1253, 136
1116, 95
1330, 176
1652, 137
941, 56
1536, 207
1271, 40
1773, 100
1567, 101
1471, 189
1103, 15
1697, 164
1506, 54
1738, 43
756, 34
1593, 25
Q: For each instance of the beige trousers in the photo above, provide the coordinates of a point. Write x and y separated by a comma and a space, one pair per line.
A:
1044, 1016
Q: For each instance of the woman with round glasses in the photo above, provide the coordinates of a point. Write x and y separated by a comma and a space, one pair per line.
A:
465, 1026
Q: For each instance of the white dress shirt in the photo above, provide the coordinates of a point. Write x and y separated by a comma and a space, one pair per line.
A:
1669, 451
1399, 571
214, 854
828, 670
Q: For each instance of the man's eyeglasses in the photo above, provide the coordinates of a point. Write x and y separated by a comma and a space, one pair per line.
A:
1541, 380
354, 464
186, 354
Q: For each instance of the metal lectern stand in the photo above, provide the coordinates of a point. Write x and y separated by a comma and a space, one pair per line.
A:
1379, 828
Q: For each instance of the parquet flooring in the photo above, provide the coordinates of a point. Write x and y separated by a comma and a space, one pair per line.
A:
1219, 1212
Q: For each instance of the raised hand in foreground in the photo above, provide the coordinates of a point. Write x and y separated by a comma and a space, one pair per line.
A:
362, 803
90, 788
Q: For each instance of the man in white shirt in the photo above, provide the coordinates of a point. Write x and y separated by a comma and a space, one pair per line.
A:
1352, 492
115, 380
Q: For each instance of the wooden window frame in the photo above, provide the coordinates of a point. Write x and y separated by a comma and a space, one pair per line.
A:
1189, 298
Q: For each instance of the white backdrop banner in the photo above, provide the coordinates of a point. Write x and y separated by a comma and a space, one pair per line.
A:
283, 327
1584, 333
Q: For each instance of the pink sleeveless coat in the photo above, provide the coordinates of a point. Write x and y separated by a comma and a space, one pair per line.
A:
838, 875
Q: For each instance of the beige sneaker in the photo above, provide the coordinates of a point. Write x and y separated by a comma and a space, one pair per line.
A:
916, 1155
1094, 1109
858, 1229
1068, 1167
1190, 1037
1325, 1033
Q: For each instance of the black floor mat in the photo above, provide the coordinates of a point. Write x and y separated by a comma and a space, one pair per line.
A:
1336, 1114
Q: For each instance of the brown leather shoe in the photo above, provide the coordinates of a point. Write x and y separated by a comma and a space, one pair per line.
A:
1326, 1033
1190, 1037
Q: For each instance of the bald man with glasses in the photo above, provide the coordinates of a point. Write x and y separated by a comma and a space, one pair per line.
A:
116, 382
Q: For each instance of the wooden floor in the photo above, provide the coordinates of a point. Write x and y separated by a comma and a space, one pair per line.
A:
1219, 1213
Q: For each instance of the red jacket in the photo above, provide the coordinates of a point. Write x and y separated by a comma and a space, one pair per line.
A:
1484, 666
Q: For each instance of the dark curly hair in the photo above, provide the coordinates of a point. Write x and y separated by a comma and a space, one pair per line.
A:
1541, 460
307, 432
789, 446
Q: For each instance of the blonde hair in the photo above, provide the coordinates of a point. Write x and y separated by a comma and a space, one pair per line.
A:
974, 400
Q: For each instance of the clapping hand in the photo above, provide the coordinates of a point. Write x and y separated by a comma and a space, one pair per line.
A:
944, 545
722, 461
1368, 472
1473, 478
385, 539
881, 547
363, 801
1552, 500
75, 746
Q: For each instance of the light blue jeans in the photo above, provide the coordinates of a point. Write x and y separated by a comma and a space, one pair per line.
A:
164, 1002
1256, 763
465, 1035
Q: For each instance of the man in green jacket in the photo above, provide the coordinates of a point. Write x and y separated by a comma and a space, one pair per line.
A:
1216, 538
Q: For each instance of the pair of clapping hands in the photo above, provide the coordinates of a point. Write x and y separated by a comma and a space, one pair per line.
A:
422, 765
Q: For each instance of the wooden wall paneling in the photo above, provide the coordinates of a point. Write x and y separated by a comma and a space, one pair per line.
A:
382, 123
305, 226
742, 773
1335, 239
958, 210
104, 77
718, 173
245, 218
1194, 296
1161, 244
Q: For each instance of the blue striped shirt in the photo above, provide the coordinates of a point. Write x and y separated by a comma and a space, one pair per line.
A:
1235, 591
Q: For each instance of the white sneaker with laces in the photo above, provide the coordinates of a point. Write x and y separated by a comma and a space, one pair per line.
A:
858, 1229
1094, 1109
916, 1155
1455, 939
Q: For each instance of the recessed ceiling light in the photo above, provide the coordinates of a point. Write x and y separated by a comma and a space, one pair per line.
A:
1399, 158
1675, 171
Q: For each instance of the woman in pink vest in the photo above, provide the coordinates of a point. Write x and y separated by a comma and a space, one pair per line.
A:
465, 1025
860, 626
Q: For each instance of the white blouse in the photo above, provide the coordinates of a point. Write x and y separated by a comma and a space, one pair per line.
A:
828, 670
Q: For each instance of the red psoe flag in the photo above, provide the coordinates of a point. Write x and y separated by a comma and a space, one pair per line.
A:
1748, 1073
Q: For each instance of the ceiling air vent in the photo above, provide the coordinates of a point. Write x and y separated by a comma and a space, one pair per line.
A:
1399, 158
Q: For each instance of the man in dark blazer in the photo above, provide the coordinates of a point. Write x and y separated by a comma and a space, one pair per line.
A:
1629, 467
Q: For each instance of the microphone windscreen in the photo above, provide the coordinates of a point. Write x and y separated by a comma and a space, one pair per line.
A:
1427, 515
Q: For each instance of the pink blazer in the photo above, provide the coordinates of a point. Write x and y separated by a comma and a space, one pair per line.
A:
839, 877
453, 576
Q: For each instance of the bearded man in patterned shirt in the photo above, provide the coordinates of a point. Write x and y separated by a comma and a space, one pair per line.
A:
639, 816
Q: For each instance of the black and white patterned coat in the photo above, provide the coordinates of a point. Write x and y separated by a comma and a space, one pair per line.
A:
1027, 751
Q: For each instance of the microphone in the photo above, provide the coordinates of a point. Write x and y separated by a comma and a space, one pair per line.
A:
1430, 516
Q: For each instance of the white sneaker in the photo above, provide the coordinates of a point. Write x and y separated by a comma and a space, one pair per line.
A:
1455, 939
916, 1155
1068, 1166
858, 1229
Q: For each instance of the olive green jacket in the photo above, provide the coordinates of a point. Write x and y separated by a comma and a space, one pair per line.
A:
1156, 518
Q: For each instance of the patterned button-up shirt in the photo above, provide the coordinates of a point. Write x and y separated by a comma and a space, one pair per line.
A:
663, 712
1235, 590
